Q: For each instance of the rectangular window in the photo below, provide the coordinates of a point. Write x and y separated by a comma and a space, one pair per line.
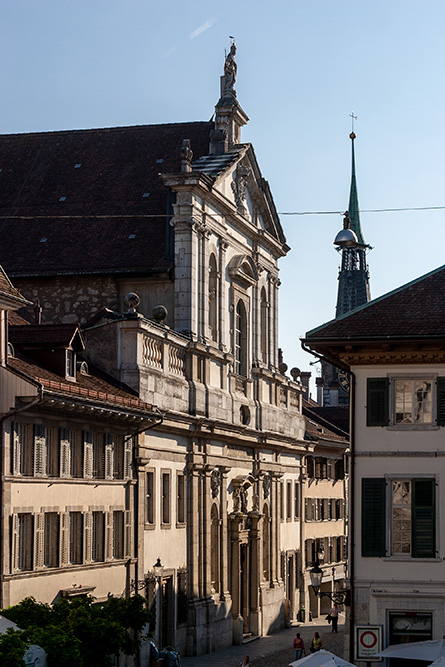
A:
98, 456
296, 500
118, 534
76, 537
118, 459
289, 501
76, 445
413, 518
23, 450
70, 364
52, 452
413, 401
166, 498
180, 480
51, 537
25, 541
150, 497
98, 541
281, 492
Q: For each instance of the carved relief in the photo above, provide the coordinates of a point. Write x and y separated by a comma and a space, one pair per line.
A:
215, 482
267, 483
239, 188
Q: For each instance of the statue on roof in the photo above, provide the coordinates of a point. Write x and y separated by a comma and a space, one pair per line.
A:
230, 71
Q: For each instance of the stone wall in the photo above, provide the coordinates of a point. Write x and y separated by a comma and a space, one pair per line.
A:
67, 299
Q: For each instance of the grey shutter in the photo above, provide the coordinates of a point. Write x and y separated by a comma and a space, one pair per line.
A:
87, 454
15, 468
128, 456
14, 542
128, 534
39, 540
109, 456
373, 517
109, 535
64, 543
423, 519
441, 401
39, 450
88, 537
377, 403
65, 452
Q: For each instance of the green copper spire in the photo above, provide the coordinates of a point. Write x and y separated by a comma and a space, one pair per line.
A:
353, 209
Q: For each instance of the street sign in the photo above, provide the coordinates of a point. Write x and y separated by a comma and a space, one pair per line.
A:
368, 642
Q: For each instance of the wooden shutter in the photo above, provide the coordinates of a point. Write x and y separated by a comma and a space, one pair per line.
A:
377, 404
109, 535
87, 454
39, 540
14, 542
373, 517
306, 509
423, 519
64, 543
15, 468
109, 456
88, 537
441, 401
128, 456
65, 452
128, 533
39, 450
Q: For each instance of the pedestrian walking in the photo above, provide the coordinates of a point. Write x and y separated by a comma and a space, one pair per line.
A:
298, 647
335, 610
315, 643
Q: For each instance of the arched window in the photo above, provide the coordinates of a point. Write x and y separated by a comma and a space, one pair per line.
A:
213, 298
240, 339
264, 326
214, 546
266, 543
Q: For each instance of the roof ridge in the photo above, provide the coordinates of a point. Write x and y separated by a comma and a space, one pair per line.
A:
376, 300
107, 128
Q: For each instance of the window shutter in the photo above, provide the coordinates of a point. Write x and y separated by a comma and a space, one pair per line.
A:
88, 537
423, 519
306, 509
15, 468
39, 540
128, 531
39, 450
373, 517
109, 456
441, 401
65, 452
108, 535
87, 454
14, 542
377, 404
128, 450
64, 543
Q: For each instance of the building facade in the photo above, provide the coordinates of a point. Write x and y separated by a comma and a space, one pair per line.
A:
393, 348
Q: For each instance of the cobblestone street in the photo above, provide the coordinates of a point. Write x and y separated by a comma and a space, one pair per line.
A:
273, 650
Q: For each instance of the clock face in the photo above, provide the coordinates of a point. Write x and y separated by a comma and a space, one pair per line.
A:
343, 379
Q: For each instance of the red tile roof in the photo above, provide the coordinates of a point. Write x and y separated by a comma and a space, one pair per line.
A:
58, 335
61, 180
414, 311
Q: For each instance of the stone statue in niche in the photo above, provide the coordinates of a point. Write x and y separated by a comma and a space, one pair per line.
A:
230, 71
240, 500
239, 188
266, 485
255, 503
215, 482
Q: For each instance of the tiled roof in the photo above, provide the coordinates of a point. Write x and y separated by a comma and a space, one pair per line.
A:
61, 181
414, 311
8, 290
213, 165
95, 386
335, 417
59, 335
319, 426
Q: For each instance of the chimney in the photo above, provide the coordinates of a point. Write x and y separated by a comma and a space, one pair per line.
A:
305, 377
37, 313
319, 385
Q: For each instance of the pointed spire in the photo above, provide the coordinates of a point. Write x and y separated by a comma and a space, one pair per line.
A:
354, 212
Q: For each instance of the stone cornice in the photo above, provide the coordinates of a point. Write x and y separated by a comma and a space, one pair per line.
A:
392, 357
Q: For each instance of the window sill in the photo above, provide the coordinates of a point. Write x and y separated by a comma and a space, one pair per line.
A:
410, 559
180, 524
413, 427
166, 526
149, 526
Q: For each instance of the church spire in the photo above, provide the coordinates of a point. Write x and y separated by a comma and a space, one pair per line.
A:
353, 277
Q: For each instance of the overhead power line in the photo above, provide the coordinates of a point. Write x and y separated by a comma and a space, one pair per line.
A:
364, 210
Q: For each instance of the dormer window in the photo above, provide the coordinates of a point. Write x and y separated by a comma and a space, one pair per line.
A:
70, 364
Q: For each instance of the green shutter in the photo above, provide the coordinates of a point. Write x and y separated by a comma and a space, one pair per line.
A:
441, 401
423, 519
373, 517
377, 404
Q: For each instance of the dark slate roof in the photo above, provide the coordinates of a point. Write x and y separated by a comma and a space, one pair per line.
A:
43, 335
213, 165
74, 189
414, 311
334, 417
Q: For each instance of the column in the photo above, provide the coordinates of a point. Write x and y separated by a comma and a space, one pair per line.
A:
192, 532
223, 313
270, 328
277, 283
205, 532
224, 565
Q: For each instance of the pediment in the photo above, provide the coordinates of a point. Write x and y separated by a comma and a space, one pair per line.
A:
243, 270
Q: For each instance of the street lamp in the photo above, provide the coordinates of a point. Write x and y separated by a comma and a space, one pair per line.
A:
158, 569
338, 597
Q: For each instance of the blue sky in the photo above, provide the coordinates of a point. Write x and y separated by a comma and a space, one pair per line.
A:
303, 66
